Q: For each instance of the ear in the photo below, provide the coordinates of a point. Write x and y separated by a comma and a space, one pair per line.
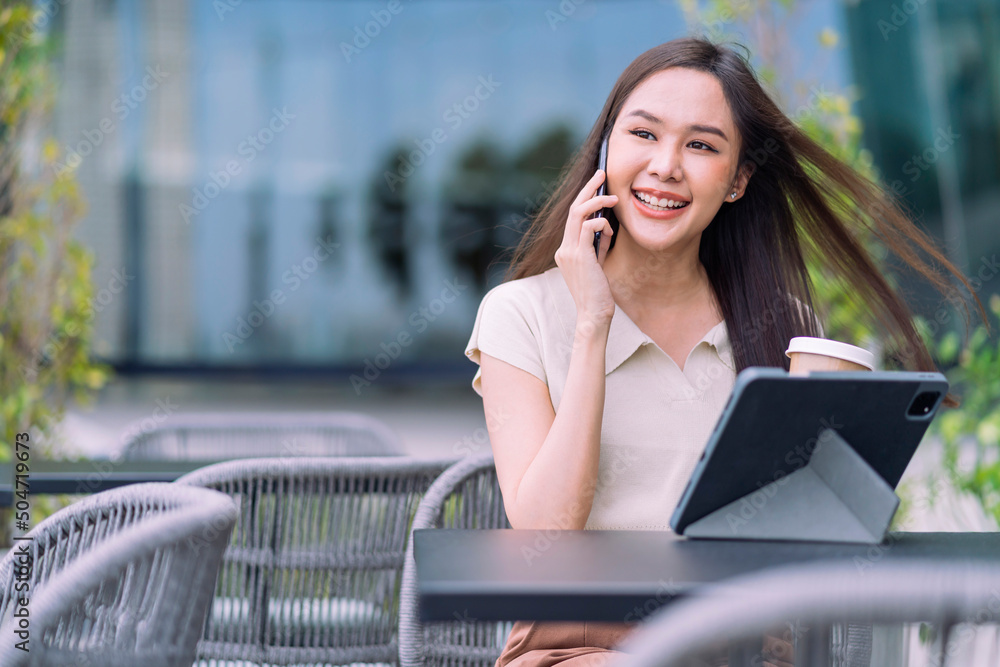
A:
746, 171
743, 177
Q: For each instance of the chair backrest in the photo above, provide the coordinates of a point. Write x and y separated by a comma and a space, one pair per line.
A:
467, 495
124, 577
312, 571
220, 436
813, 597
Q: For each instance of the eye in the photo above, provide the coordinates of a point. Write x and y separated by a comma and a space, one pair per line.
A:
638, 132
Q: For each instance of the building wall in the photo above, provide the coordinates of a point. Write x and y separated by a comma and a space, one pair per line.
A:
308, 256
929, 75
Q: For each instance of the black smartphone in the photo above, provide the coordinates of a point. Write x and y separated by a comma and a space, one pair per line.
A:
606, 213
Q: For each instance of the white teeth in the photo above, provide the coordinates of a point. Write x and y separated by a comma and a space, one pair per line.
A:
653, 202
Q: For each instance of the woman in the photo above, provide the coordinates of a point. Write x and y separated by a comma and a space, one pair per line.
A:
604, 375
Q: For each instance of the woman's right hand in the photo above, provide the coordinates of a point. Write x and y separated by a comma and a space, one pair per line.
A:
575, 257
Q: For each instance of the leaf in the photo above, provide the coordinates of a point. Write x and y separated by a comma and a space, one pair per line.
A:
828, 38
950, 425
948, 349
95, 379
988, 434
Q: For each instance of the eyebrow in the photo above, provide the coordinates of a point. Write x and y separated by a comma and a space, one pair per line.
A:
710, 129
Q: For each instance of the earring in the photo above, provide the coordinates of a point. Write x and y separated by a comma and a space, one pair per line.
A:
733, 195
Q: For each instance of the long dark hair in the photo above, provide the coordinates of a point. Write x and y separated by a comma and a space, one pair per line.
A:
801, 202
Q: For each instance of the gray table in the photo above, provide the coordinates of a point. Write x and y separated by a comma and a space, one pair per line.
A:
93, 476
622, 575
84, 477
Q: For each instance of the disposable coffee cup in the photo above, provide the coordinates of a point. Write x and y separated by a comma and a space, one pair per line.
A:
809, 354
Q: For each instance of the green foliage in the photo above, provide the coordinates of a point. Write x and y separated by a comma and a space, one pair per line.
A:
46, 294
976, 423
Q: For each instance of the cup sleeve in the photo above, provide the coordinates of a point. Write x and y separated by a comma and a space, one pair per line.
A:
506, 329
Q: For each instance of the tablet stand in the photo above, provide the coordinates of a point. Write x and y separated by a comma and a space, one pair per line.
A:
836, 497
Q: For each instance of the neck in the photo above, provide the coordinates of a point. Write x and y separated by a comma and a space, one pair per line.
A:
673, 278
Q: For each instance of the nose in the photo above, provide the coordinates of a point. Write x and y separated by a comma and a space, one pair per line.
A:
665, 163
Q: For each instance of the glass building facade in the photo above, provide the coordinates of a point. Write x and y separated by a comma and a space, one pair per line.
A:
929, 76
328, 184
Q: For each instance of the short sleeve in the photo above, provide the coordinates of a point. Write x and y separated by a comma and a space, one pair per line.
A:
506, 328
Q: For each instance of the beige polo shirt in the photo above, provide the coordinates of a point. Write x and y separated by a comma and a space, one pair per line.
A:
657, 418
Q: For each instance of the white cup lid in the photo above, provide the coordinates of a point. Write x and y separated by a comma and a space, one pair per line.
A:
831, 348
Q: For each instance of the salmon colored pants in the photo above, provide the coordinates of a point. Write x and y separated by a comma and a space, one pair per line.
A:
586, 644
568, 644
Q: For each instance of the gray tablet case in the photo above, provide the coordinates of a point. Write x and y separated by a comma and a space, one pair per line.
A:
768, 471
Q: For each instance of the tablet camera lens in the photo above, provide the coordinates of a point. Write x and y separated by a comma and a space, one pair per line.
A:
923, 404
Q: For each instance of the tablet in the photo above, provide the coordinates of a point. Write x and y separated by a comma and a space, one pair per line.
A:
772, 422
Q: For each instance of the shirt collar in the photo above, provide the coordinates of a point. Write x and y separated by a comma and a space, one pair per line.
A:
625, 337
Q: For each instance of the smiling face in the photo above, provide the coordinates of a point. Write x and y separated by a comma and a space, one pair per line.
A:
675, 140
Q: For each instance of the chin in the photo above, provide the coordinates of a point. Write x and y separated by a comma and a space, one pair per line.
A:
652, 236
652, 244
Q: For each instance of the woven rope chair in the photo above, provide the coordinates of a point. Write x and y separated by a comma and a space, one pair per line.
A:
311, 574
122, 578
221, 436
958, 599
467, 495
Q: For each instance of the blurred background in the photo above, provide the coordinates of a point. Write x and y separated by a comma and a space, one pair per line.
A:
231, 151
300, 203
